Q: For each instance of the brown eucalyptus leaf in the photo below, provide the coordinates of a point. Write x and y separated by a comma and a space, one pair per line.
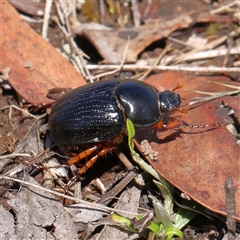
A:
111, 42
197, 161
35, 65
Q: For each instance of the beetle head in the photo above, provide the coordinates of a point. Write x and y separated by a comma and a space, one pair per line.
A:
169, 100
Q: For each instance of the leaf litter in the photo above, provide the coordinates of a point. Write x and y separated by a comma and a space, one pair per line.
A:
80, 29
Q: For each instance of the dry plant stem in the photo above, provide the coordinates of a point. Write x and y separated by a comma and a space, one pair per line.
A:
85, 204
209, 45
213, 95
230, 44
226, 85
47, 11
166, 49
179, 42
204, 54
231, 208
17, 108
135, 67
76, 52
147, 9
119, 68
30, 20
123, 159
99, 184
224, 7
101, 10
33, 162
60, 12
135, 12
78, 190
13, 155
108, 197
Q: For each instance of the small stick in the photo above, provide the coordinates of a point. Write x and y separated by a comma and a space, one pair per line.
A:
231, 208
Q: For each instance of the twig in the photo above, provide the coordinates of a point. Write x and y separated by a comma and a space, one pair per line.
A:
48, 7
118, 68
226, 85
148, 8
15, 155
224, 7
135, 67
209, 45
30, 20
156, 62
231, 208
24, 111
207, 54
77, 53
213, 95
136, 14
85, 204
101, 10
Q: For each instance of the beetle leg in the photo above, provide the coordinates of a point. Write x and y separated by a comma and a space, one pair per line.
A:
174, 124
91, 161
33, 107
163, 125
88, 164
82, 155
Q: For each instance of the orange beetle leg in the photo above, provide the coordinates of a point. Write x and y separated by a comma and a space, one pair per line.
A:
82, 155
91, 161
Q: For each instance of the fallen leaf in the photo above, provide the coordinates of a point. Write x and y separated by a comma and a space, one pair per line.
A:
111, 42
128, 201
23, 48
32, 8
40, 212
197, 161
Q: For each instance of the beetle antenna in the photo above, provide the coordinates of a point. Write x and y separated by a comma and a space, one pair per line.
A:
177, 124
216, 124
180, 85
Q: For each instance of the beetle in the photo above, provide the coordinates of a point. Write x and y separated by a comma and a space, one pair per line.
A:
95, 115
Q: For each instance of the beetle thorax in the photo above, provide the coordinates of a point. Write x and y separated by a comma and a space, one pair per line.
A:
140, 101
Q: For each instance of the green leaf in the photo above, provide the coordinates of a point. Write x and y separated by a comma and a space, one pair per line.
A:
161, 213
165, 188
131, 134
154, 227
146, 167
185, 215
123, 221
173, 231
167, 195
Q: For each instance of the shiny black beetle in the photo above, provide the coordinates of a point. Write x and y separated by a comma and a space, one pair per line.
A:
97, 112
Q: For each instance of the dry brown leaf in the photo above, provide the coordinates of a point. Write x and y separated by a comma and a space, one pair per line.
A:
198, 161
23, 48
30, 7
111, 42
37, 212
